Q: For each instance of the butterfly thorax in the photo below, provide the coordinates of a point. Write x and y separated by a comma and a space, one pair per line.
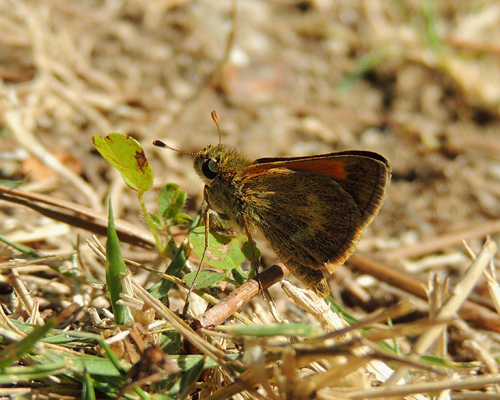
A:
218, 167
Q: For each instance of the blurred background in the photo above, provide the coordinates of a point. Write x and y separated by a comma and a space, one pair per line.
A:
417, 81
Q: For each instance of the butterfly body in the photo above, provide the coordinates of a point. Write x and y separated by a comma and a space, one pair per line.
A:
311, 210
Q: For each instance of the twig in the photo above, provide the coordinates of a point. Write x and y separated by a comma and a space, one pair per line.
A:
239, 297
442, 242
77, 215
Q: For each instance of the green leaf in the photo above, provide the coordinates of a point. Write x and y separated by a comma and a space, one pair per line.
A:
182, 219
160, 289
223, 252
170, 200
250, 250
239, 276
127, 156
183, 386
272, 330
115, 266
10, 183
156, 221
171, 342
205, 278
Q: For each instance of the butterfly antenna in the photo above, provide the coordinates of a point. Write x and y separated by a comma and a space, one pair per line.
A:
214, 117
159, 143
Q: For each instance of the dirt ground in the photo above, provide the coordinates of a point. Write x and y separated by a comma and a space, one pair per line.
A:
418, 82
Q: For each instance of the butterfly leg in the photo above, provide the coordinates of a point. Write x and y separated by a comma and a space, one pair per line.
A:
255, 258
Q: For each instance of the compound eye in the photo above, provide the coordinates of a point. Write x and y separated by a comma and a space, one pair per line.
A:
210, 168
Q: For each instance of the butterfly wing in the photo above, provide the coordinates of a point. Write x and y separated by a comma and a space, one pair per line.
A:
312, 210
365, 175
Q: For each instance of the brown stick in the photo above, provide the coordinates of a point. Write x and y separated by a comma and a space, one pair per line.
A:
444, 241
239, 297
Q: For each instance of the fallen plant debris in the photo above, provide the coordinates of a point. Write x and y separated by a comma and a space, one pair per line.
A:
416, 314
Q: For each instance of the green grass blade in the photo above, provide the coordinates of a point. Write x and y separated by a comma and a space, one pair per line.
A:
88, 392
115, 266
16, 350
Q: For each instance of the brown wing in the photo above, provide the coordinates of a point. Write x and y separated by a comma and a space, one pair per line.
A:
312, 212
365, 175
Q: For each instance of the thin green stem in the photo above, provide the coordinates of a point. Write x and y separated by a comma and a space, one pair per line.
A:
152, 227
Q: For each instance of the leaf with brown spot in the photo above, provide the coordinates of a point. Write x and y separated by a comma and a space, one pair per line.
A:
127, 156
